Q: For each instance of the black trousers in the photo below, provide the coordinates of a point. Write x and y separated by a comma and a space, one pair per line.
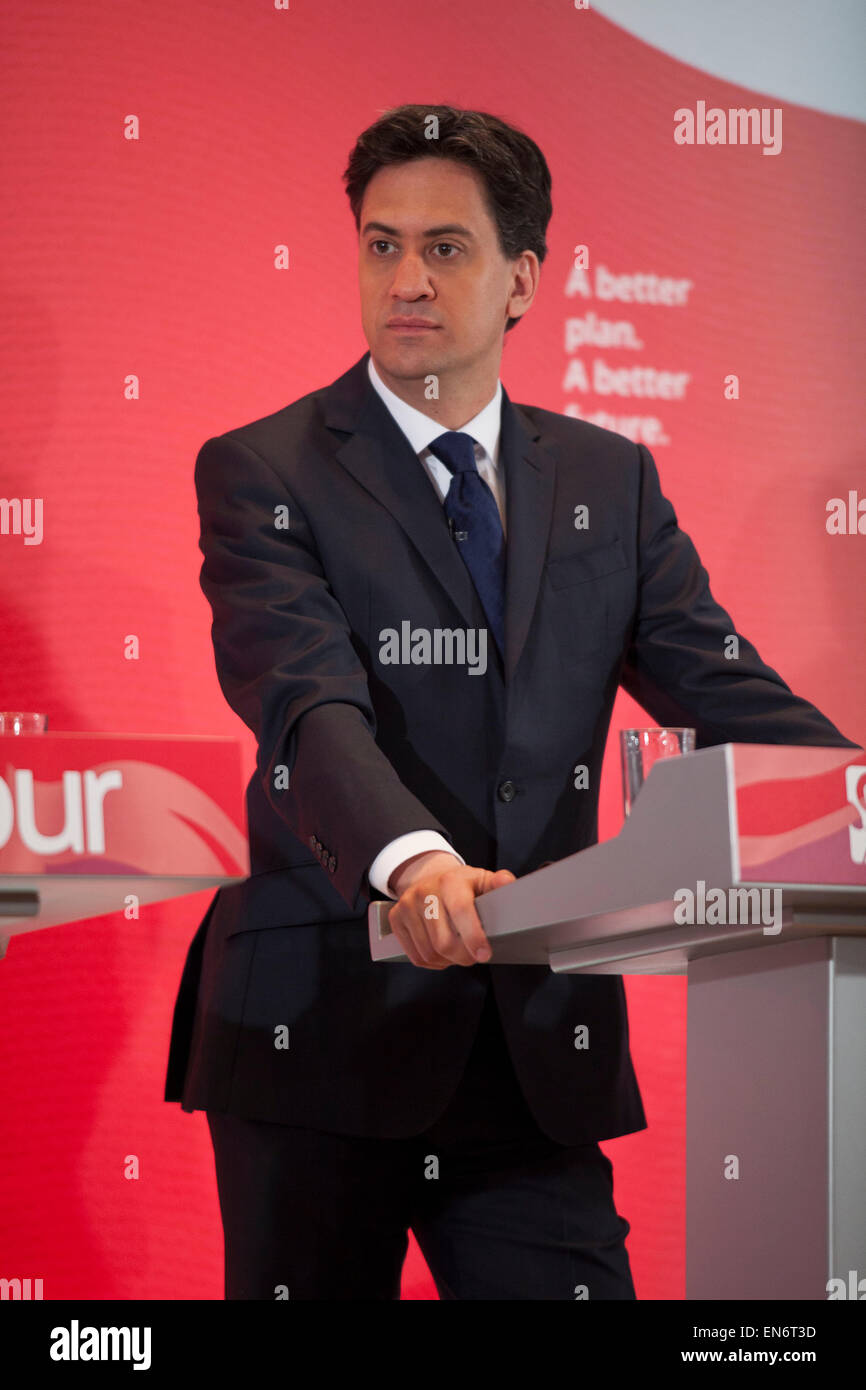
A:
499, 1210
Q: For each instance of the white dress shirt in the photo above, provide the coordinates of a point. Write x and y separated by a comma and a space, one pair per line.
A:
421, 431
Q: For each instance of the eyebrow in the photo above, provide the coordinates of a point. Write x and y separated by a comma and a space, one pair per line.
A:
448, 229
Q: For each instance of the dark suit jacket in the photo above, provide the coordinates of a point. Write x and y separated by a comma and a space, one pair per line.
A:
376, 750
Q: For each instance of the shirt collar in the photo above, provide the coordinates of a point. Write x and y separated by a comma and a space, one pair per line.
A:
420, 430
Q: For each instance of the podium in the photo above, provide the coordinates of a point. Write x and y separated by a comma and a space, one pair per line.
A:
98, 823
742, 866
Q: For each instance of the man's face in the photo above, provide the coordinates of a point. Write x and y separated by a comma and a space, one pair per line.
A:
428, 250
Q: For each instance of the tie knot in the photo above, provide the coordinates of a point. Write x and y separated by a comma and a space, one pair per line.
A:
456, 450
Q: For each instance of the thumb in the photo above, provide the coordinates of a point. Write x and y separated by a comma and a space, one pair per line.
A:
501, 877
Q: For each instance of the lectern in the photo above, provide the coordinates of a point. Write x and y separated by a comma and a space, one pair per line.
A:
92, 823
744, 867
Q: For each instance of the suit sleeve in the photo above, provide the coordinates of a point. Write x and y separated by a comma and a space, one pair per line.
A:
287, 666
680, 664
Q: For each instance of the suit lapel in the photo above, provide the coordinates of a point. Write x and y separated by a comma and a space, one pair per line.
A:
529, 487
378, 455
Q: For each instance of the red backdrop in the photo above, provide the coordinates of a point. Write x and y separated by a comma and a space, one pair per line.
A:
153, 258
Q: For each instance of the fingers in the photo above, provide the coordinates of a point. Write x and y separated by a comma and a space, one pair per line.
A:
423, 926
436, 922
418, 953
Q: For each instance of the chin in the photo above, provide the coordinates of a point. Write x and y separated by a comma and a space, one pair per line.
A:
409, 359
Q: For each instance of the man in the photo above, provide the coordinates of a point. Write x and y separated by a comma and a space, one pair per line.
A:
426, 645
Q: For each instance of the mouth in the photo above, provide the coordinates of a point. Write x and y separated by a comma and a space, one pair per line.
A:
409, 328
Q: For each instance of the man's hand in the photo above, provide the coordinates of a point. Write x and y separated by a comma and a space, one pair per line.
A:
434, 918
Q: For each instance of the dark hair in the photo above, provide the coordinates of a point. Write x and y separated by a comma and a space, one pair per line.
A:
512, 168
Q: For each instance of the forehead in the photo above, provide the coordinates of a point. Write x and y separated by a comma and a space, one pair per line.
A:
409, 194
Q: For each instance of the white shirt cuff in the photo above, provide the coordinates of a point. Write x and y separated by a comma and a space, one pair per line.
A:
404, 847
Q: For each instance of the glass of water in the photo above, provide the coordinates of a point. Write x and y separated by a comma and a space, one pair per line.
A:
20, 722
640, 748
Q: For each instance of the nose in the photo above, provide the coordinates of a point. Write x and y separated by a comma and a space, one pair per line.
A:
411, 280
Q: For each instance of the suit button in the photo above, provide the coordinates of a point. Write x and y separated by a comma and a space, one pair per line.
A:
506, 791
313, 842
332, 863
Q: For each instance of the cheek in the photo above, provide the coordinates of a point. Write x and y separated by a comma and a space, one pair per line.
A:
369, 283
477, 306
492, 295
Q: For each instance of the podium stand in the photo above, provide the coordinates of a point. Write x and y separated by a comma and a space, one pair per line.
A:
744, 867
94, 823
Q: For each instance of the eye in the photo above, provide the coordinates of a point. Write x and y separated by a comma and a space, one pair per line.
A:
447, 244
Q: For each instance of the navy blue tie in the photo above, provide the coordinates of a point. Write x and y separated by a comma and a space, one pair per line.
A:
475, 524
